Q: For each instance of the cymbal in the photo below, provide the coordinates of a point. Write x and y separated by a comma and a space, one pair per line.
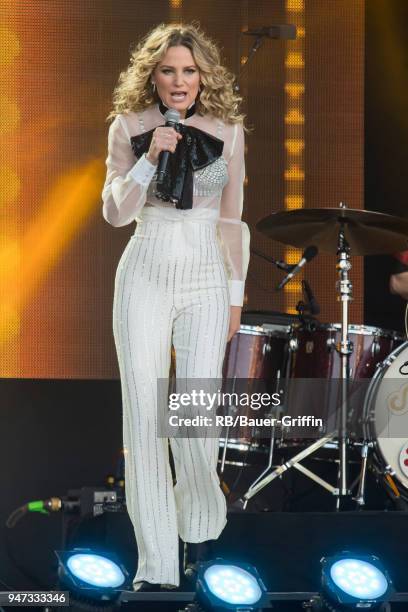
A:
367, 232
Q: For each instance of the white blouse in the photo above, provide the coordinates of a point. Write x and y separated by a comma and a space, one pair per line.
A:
130, 186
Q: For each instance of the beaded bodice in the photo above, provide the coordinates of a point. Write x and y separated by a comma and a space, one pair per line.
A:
210, 181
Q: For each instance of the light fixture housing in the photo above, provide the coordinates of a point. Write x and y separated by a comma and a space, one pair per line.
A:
355, 581
92, 575
222, 585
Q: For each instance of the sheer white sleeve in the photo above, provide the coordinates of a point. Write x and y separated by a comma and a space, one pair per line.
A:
126, 183
235, 232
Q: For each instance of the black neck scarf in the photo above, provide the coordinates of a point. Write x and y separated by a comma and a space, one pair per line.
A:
194, 151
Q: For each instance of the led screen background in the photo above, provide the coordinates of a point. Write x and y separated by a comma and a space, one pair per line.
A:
60, 61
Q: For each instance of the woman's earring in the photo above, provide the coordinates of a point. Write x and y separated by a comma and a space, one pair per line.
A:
154, 86
200, 88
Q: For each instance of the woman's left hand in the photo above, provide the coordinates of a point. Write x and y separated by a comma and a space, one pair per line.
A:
235, 321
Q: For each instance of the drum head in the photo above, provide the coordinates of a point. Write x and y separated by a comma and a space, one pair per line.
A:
388, 413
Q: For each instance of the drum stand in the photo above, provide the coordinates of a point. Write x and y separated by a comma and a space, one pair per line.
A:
360, 495
271, 442
345, 349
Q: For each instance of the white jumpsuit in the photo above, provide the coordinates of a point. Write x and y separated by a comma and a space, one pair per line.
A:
177, 277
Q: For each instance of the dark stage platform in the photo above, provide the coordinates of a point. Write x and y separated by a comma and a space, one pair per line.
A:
285, 547
78, 436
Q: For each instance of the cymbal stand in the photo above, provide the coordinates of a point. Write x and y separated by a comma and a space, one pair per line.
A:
345, 349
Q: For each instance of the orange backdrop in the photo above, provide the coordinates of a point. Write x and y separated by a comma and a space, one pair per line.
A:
59, 63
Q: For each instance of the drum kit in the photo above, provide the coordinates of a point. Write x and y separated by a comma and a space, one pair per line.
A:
287, 349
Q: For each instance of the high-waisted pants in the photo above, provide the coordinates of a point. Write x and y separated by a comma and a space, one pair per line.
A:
171, 286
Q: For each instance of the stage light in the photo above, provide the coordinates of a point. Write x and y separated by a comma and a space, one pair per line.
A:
92, 577
353, 582
225, 586
96, 570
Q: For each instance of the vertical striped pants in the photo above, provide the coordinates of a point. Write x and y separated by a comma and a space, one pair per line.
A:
171, 285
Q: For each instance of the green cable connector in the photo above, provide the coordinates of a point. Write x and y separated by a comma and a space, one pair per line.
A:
37, 506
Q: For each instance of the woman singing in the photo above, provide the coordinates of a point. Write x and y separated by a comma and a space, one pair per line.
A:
180, 279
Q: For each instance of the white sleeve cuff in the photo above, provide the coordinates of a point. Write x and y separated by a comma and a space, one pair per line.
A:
236, 289
143, 171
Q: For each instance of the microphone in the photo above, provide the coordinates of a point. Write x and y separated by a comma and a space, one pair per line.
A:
282, 265
172, 117
286, 31
279, 264
309, 253
313, 304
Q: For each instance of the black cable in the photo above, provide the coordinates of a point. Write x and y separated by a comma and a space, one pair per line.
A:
16, 515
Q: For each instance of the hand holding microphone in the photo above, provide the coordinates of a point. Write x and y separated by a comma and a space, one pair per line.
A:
164, 141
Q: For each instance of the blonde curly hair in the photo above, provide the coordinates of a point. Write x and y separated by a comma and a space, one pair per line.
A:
134, 91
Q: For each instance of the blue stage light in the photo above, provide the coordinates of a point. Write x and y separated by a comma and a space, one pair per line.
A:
232, 584
225, 586
359, 578
355, 581
92, 576
96, 570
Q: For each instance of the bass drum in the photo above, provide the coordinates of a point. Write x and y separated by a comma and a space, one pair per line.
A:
386, 414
